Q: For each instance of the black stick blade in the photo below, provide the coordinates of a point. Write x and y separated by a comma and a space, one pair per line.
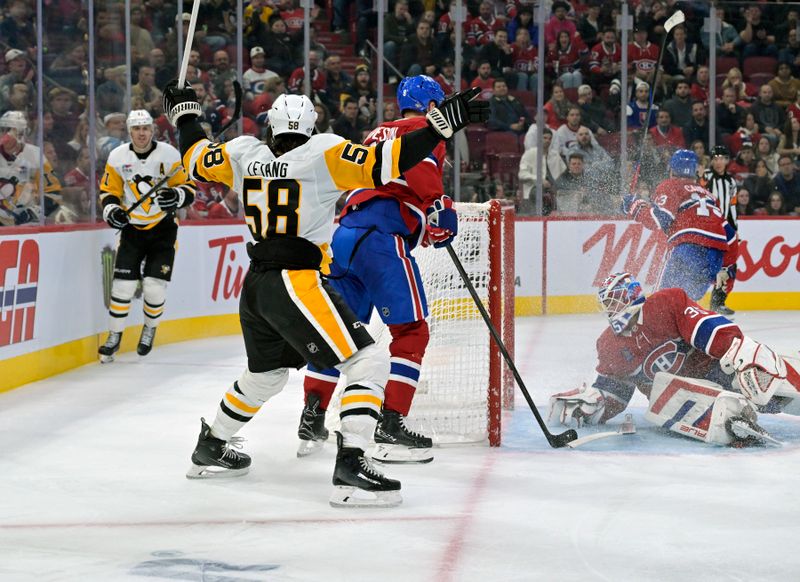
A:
558, 441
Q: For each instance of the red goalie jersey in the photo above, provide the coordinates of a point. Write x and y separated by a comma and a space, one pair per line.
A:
687, 213
672, 334
415, 190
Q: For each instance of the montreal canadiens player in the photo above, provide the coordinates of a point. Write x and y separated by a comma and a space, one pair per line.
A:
373, 267
704, 378
701, 242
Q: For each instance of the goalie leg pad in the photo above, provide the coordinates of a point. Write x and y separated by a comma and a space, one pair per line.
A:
695, 408
244, 399
122, 292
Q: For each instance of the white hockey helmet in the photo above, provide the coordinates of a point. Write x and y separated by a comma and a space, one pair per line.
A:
621, 297
139, 117
14, 120
292, 114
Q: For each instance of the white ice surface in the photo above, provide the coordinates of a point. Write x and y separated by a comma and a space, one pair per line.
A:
93, 486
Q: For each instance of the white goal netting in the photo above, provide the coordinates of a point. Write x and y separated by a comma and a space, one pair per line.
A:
458, 379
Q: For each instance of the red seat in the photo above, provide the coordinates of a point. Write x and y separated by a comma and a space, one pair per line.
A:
527, 98
728, 141
753, 65
504, 167
476, 138
759, 79
571, 94
502, 141
725, 64
611, 142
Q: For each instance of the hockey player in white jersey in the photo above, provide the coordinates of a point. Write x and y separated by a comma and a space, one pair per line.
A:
146, 247
20, 174
288, 312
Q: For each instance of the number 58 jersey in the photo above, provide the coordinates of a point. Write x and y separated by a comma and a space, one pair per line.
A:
294, 194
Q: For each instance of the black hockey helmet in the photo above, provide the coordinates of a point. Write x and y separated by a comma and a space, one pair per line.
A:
720, 150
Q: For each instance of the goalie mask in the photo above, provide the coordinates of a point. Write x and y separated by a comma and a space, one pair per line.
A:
621, 298
15, 122
292, 114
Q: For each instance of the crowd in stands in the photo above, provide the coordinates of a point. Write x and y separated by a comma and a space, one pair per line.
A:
757, 85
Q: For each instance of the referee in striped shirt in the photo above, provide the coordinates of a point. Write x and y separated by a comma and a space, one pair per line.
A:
722, 185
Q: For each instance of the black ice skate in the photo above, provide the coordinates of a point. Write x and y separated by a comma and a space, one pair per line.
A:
312, 431
108, 349
745, 431
718, 297
213, 457
356, 483
397, 444
146, 340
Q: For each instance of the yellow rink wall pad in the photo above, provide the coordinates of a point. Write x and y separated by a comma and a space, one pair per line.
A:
19, 370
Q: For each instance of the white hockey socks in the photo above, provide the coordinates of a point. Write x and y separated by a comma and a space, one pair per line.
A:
122, 292
155, 295
244, 399
367, 372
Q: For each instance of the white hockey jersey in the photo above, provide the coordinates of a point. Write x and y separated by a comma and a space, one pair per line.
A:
294, 194
19, 181
129, 176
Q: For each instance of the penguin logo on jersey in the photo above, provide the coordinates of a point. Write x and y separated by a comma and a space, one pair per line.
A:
665, 358
142, 186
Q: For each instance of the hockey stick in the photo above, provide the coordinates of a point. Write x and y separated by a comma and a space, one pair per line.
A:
555, 440
237, 111
677, 18
625, 428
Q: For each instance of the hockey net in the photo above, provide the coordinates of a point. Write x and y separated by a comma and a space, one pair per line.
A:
461, 389
464, 383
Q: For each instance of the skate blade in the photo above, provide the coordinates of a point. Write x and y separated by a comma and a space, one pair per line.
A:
398, 455
106, 359
344, 496
210, 472
742, 430
306, 448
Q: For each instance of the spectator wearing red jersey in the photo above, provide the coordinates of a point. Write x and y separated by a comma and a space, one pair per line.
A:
447, 78
76, 183
525, 60
564, 60
556, 109
794, 109
484, 81
293, 16
319, 80
605, 59
481, 29
642, 55
699, 90
558, 22
664, 134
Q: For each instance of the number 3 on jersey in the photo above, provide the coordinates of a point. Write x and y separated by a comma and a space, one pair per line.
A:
272, 207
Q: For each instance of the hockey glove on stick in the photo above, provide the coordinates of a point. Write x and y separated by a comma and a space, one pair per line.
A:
458, 111
442, 225
584, 405
180, 103
115, 216
170, 198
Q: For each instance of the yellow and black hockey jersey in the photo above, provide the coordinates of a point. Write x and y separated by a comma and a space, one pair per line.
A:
294, 194
19, 181
129, 176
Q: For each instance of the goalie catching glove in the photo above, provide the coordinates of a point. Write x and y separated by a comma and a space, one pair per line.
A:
180, 103
457, 112
759, 371
584, 405
442, 226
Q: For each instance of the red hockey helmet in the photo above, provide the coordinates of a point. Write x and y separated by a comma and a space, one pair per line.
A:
620, 296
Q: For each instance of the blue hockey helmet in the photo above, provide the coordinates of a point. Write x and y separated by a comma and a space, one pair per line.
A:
415, 93
621, 297
684, 163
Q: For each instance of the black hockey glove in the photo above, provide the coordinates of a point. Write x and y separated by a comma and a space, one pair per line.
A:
180, 102
457, 111
115, 216
170, 198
